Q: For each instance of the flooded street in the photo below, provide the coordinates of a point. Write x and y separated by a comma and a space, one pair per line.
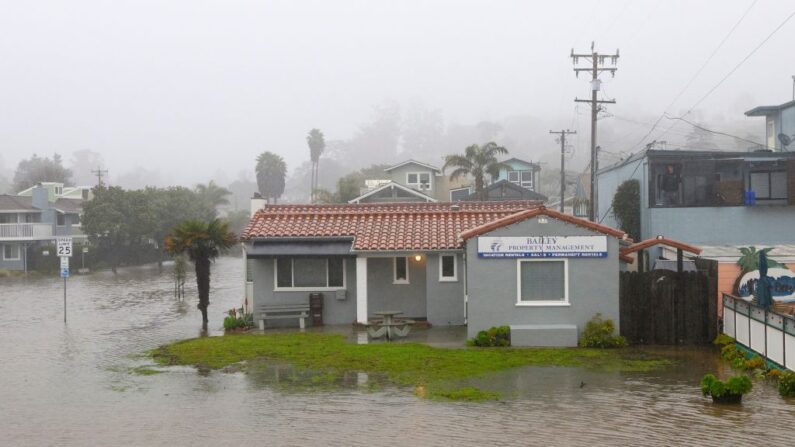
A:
73, 385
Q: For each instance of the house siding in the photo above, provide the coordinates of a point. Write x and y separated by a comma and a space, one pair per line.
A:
398, 175
445, 300
492, 285
383, 294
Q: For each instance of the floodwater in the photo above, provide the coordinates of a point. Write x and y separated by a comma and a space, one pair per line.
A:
72, 385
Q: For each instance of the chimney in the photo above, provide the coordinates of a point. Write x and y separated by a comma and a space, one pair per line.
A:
40, 197
257, 202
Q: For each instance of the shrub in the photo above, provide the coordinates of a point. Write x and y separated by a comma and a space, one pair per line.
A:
755, 362
495, 336
723, 340
233, 321
718, 389
786, 384
598, 333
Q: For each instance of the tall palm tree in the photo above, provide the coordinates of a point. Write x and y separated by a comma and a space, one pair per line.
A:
213, 195
749, 261
477, 161
317, 144
271, 172
202, 242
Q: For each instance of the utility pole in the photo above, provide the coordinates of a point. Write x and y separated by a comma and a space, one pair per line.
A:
563, 134
99, 173
597, 66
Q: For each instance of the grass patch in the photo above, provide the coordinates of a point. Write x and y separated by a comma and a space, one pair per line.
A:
146, 371
404, 364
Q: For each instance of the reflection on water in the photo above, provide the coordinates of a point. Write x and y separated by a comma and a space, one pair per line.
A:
72, 385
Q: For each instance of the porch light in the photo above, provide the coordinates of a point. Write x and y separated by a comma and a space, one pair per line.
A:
659, 237
418, 258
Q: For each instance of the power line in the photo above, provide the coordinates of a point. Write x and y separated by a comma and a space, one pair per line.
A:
679, 118
562, 134
696, 74
740, 64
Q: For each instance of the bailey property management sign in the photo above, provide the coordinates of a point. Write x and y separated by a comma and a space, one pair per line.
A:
543, 247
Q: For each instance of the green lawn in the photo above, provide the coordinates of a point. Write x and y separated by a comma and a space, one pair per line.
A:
432, 371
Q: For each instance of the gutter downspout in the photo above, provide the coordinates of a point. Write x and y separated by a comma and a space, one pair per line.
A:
466, 288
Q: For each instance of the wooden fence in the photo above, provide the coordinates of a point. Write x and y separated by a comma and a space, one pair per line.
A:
767, 332
668, 308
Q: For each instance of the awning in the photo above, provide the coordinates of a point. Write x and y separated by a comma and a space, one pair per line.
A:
259, 249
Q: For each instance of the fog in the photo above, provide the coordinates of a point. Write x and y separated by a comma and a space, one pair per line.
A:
181, 92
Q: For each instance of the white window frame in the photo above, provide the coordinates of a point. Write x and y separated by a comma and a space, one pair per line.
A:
464, 188
769, 175
519, 182
276, 287
418, 184
19, 252
395, 279
543, 303
453, 278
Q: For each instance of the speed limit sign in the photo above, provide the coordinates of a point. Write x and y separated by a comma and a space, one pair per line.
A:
64, 247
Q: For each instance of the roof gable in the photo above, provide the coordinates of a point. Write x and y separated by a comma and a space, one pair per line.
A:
393, 185
514, 162
540, 211
414, 162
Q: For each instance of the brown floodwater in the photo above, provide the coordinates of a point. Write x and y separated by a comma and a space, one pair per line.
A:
72, 385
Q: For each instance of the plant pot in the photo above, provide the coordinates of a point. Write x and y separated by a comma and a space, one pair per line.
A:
728, 398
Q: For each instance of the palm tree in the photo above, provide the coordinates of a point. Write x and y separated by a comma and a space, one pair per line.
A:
271, 172
477, 161
202, 242
317, 144
749, 261
213, 195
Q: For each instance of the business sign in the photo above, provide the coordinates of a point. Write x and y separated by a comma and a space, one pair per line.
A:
543, 247
64, 247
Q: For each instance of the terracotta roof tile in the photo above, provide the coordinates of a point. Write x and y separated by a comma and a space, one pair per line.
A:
382, 226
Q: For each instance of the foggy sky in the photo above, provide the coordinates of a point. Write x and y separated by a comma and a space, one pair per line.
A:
189, 89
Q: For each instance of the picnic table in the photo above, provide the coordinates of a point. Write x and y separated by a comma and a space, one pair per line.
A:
389, 326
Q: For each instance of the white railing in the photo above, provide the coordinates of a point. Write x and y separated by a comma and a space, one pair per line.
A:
25, 231
766, 332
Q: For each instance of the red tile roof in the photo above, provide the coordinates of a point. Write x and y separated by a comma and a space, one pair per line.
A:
382, 226
539, 211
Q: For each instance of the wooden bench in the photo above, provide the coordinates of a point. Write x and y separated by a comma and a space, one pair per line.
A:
282, 311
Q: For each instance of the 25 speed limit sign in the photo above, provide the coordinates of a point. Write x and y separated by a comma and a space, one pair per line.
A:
64, 247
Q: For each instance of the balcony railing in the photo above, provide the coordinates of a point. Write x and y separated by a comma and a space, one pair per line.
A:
25, 231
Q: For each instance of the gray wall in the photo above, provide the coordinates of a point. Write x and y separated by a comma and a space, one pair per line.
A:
445, 300
382, 294
593, 283
334, 311
398, 175
13, 265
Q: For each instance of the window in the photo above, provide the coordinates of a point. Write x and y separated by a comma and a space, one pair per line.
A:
401, 270
310, 273
542, 282
448, 271
769, 185
58, 190
696, 182
419, 180
521, 178
11, 252
459, 194
61, 220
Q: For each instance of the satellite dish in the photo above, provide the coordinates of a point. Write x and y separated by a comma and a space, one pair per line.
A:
785, 139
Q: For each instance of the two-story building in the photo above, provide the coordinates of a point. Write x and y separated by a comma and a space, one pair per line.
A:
36, 216
779, 125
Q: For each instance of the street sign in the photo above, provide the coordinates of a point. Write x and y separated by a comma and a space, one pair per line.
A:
65, 274
64, 247
64, 262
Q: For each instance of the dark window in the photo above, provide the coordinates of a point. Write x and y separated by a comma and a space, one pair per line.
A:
542, 280
696, 183
448, 267
61, 219
335, 272
284, 272
310, 272
401, 269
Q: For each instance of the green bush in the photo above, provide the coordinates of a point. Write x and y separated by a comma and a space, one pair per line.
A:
598, 333
786, 384
737, 385
495, 336
233, 321
723, 340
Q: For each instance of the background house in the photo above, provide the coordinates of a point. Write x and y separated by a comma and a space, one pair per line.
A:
35, 217
521, 173
779, 125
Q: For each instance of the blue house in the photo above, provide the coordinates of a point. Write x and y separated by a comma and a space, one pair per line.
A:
521, 173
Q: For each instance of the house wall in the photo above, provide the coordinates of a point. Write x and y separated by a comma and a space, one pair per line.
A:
334, 311
19, 264
492, 284
738, 225
786, 126
398, 175
445, 300
609, 181
383, 294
